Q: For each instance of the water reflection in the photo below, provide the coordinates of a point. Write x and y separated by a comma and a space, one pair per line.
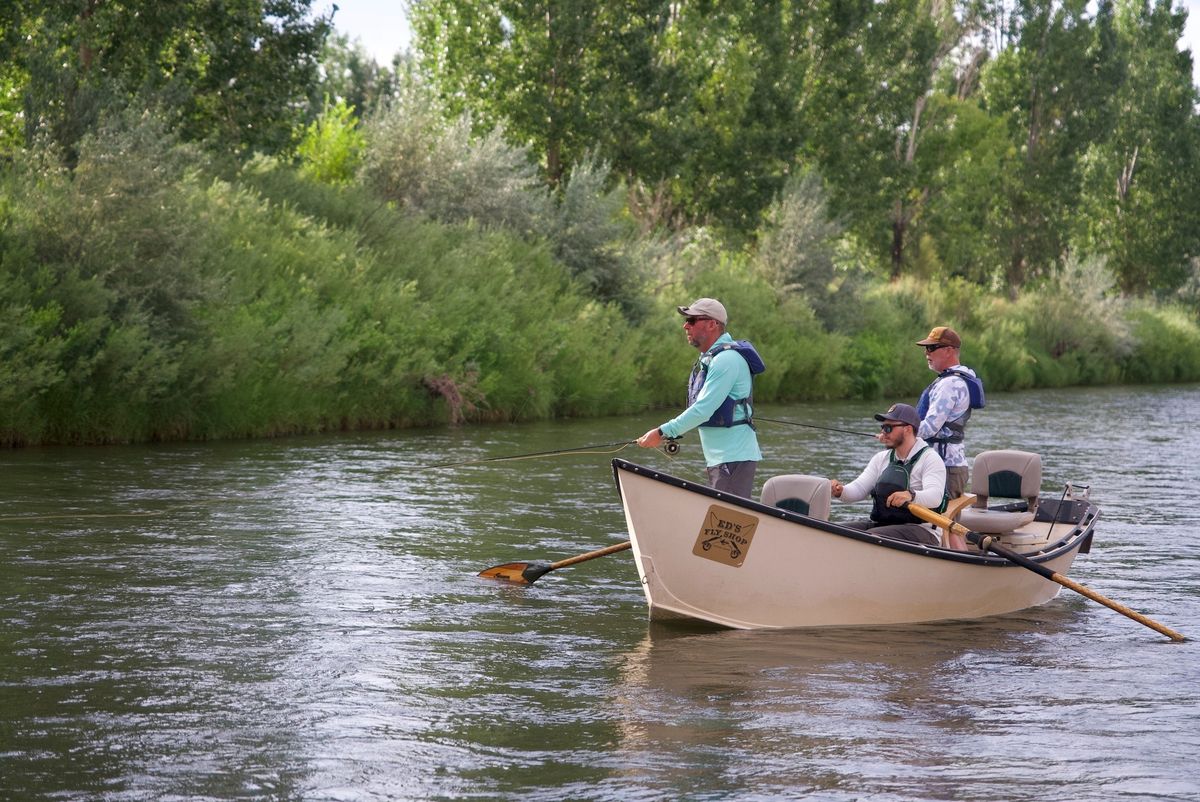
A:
799, 710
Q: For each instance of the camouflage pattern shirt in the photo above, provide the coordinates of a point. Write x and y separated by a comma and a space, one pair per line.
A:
949, 400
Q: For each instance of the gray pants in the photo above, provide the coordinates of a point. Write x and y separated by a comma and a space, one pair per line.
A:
735, 478
913, 533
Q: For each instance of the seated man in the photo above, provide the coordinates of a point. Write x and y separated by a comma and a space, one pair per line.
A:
908, 470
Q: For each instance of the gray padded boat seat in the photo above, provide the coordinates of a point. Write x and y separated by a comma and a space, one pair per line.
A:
797, 492
1002, 475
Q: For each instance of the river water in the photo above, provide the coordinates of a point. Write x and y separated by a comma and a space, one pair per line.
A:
300, 620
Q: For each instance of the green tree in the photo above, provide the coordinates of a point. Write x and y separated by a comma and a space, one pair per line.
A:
1054, 84
12, 129
348, 73
697, 100
865, 110
976, 150
1141, 185
737, 88
230, 72
521, 63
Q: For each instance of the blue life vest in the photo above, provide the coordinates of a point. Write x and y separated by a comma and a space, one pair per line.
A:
724, 414
895, 477
957, 426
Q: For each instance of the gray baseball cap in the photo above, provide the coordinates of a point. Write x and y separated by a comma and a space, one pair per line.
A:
900, 412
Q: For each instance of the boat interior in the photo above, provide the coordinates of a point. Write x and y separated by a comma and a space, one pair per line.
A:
1004, 500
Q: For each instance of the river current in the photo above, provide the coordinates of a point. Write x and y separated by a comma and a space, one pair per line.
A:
301, 619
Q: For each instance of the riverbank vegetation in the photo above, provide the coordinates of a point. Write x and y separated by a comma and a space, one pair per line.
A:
395, 248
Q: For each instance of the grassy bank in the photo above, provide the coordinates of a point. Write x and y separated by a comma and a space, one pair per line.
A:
164, 297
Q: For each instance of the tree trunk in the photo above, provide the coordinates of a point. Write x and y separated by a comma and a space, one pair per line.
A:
899, 229
1016, 275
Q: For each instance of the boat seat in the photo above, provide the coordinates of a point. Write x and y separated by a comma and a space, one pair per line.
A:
1003, 474
797, 492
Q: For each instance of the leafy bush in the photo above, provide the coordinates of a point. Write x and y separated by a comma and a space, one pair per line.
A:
797, 239
146, 299
1167, 345
1075, 327
95, 265
438, 169
590, 237
330, 148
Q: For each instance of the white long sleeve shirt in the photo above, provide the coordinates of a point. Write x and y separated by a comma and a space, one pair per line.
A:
927, 478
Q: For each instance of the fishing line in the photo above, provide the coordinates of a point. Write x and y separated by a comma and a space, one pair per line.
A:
812, 426
669, 448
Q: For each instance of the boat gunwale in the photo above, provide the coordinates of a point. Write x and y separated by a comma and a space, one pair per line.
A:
1074, 539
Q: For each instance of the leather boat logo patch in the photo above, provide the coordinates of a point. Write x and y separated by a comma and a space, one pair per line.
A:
725, 536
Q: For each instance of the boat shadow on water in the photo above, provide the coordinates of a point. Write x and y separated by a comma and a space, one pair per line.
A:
678, 653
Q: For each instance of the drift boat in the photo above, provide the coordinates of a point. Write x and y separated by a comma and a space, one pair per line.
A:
708, 556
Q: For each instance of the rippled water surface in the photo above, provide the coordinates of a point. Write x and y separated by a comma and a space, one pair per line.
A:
300, 619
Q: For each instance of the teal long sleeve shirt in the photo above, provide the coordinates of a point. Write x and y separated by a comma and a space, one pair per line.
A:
728, 376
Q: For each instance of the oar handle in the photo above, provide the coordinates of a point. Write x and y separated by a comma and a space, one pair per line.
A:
988, 543
591, 555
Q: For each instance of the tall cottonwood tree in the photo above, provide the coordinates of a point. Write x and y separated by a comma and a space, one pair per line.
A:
730, 89
1141, 184
939, 44
235, 73
973, 134
699, 98
525, 65
1054, 85
877, 95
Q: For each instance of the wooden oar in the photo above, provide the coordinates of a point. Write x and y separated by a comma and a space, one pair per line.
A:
988, 543
528, 573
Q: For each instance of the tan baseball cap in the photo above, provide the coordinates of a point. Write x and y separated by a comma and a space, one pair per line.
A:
705, 307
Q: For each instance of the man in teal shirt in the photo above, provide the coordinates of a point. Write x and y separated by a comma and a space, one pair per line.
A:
719, 400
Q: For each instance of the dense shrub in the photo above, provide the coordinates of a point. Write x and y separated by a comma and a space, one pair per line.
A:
331, 146
150, 294
1167, 345
427, 166
798, 240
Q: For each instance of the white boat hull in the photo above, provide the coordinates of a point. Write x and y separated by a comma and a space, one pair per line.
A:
725, 560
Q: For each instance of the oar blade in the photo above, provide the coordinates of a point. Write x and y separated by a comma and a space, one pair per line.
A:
517, 573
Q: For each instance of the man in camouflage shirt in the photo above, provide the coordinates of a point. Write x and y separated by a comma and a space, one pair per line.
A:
946, 404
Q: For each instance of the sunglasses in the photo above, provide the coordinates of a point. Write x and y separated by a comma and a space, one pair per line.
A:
929, 349
888, 427
692, 321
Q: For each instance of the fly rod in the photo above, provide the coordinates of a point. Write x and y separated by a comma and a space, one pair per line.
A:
669, 447
812, 426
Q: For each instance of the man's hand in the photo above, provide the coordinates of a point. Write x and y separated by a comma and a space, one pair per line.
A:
900, 498
651, 439
836, 488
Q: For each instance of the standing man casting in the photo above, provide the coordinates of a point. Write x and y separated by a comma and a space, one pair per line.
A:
946, 404
909, 470
719, 400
